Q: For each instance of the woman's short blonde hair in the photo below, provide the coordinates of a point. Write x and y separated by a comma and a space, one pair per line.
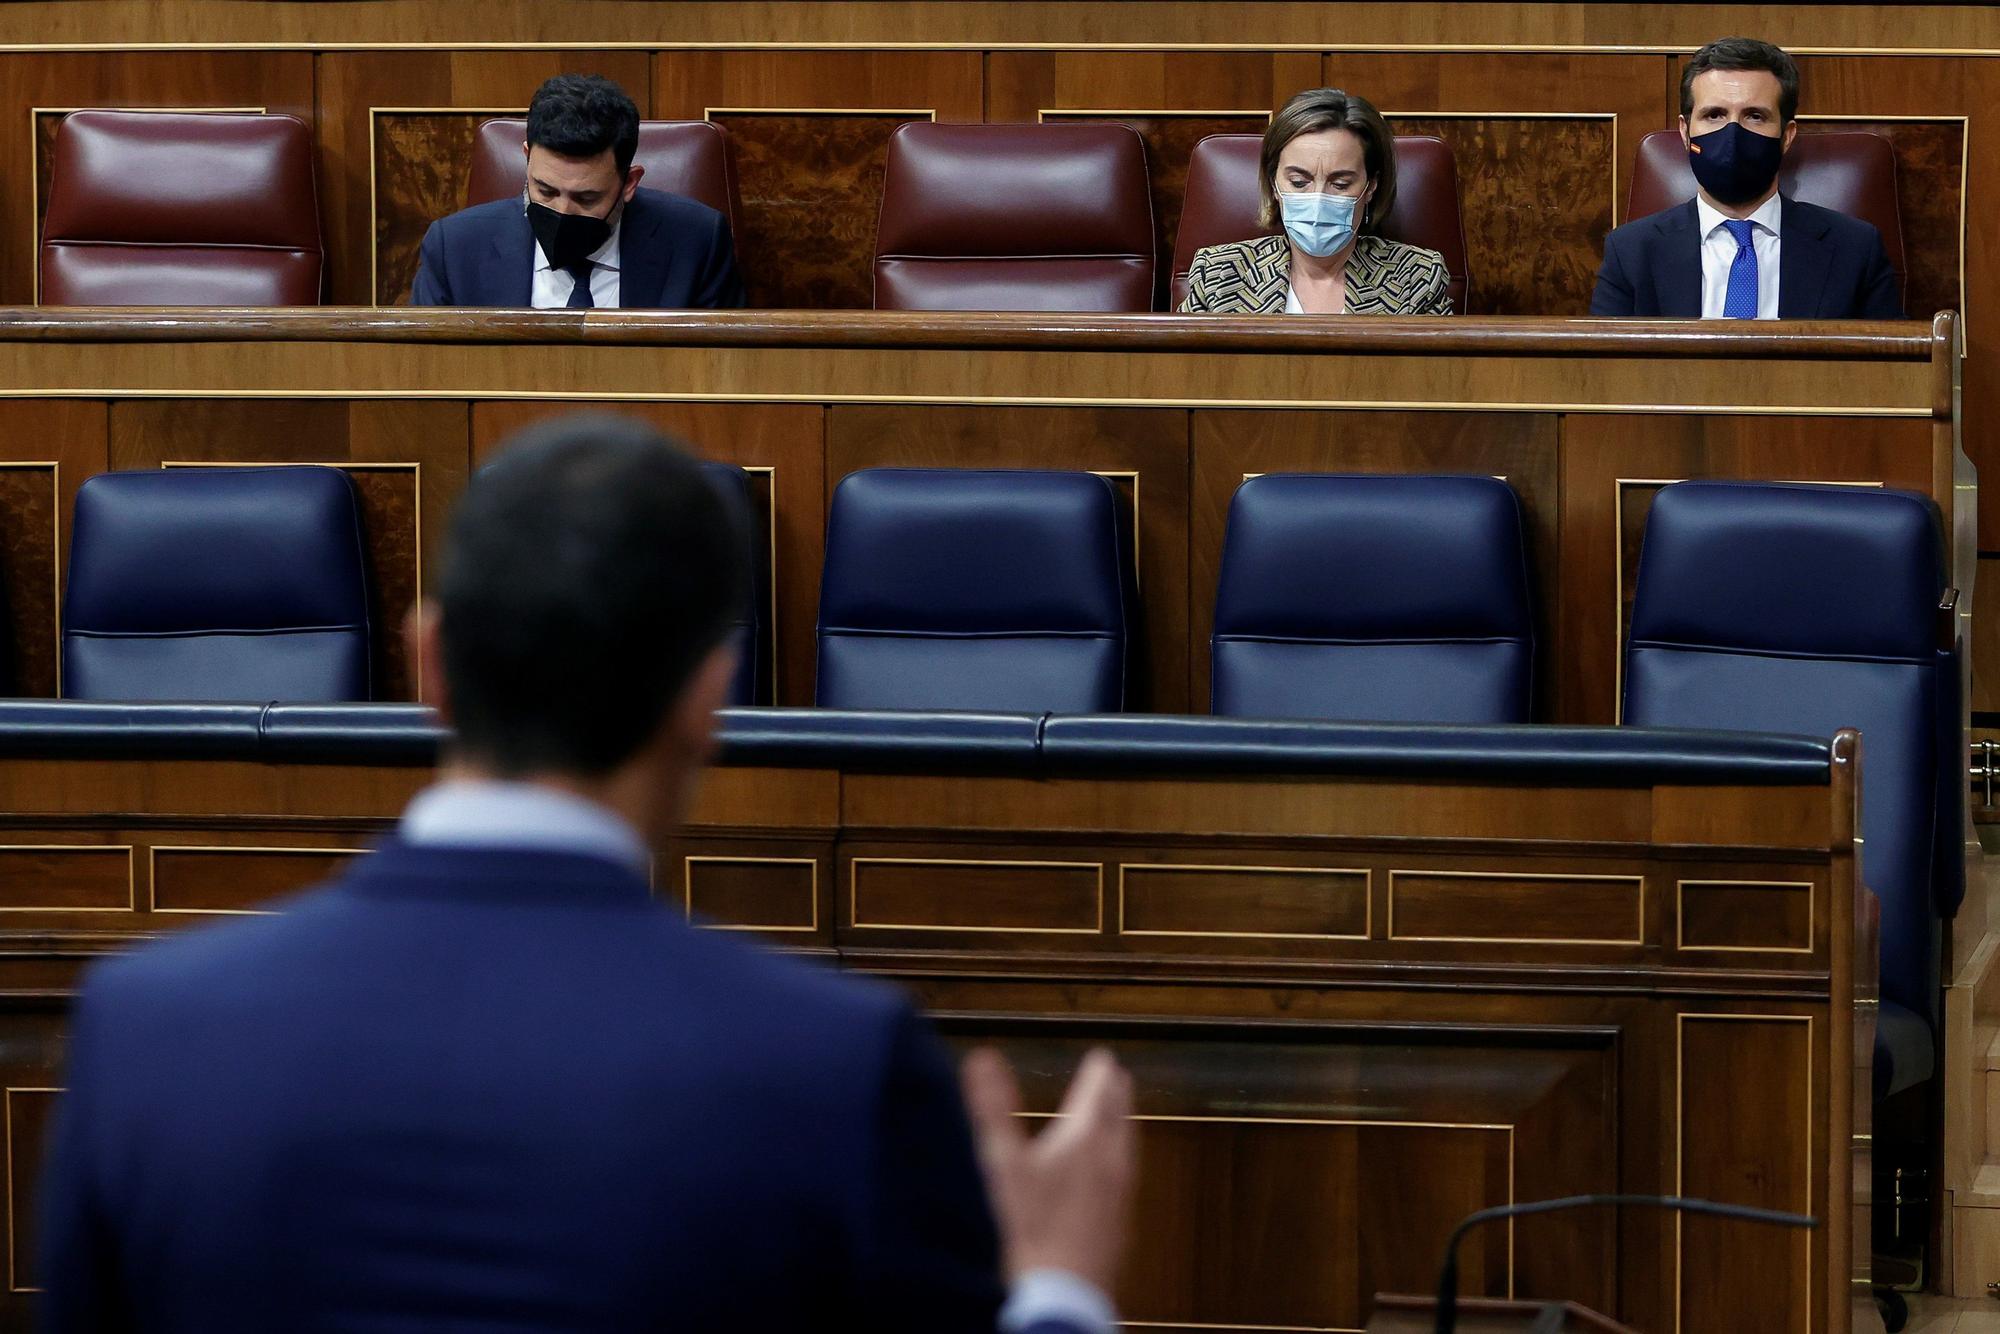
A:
1318, 109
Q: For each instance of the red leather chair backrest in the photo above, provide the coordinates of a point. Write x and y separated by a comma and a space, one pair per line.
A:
1015, 217
1848, 171
1223, 192
165, 208
686, 157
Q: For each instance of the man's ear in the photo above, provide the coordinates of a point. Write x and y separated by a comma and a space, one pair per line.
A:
423, 643
1791, 133
632, 181
1684, 131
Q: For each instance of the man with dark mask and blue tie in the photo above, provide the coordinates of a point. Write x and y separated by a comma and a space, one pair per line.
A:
1739, 249
583, 233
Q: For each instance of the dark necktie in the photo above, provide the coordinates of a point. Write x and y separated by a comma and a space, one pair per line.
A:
1739, 298
579, 296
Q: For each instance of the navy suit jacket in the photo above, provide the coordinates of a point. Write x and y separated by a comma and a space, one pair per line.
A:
1830, 267
468, 1090
673, 254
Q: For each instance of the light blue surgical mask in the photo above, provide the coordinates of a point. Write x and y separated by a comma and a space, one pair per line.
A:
1319, 224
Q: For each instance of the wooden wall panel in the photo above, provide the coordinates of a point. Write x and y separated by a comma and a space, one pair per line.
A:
408, 461
1614, 464
1144, 451
268, 80
1930, 182
1228, 445
811, 131
1545, 144
47, 448
782, 447
383, 181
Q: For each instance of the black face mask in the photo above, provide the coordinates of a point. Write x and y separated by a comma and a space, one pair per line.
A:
567, 238
1735, 165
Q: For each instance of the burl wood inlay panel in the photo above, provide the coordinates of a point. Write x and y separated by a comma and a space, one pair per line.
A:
422, 163
245, 879
975, 894
1269, 902
1517, 906
762, 893
39, 878
1930, 188
1740, 1275
811, 192
1535, 196
1739, 915
28, 522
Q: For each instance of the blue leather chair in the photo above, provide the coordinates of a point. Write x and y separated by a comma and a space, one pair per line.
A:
1373, 599
1002, 592
217, 584
750, 632
1808, 609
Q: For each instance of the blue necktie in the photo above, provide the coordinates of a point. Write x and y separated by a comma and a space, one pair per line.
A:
580, 298
1739, 299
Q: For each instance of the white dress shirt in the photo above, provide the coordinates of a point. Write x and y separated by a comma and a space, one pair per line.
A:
553, 286
495, 814
1718, 252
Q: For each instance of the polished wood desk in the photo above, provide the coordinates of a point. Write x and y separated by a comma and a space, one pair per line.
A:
1585, 419
1368, 981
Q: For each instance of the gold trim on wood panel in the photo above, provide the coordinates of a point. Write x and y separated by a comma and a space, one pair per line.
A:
1367, 901
153, 860
1138, 579
13, 1234
853, 895
35, 177
55, 541
1620, 632
1254, 48
1612, 116
1680, 1149
374, 246
131, 872
1113, 113
1812, 913
687, 889
710, 113
1639, 936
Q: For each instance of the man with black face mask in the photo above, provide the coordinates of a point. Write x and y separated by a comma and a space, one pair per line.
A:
1739, 249
583, 234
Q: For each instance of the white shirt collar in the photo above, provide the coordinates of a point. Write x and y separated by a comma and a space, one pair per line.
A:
604, 257
1768, 215
495, 814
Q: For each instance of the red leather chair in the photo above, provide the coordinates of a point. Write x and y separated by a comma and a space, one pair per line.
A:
686, 157
1223, 192
163, 208
1848, 171
1015, 217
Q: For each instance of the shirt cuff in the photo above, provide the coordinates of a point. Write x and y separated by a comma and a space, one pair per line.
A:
1055, 1295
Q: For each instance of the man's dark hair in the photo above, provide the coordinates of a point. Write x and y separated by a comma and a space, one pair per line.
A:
588, 572
1744, 53
581, 115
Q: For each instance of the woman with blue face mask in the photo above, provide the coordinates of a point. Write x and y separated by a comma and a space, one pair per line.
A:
1329, 178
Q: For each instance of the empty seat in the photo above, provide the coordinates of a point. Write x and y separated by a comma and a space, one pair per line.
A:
685, 157
155, 208
1015, 217
1848, 171
1223, 191
1809, 609
749, 632
973, 590
1374, 599
217, 584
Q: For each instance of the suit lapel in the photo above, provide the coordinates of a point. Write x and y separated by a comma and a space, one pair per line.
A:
1803, 260
1677, 264
508, 269
642, 259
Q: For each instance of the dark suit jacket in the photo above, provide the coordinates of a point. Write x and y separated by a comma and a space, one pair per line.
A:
1830, 267
472, 1090
673, 254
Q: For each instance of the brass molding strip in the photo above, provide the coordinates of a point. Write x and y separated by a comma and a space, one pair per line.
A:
855, 864
687, 889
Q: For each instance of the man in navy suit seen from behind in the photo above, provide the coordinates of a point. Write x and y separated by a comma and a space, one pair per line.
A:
485, 1080
1740, 249
584, 233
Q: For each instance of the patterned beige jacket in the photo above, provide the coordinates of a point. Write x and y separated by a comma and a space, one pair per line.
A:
1383, 278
